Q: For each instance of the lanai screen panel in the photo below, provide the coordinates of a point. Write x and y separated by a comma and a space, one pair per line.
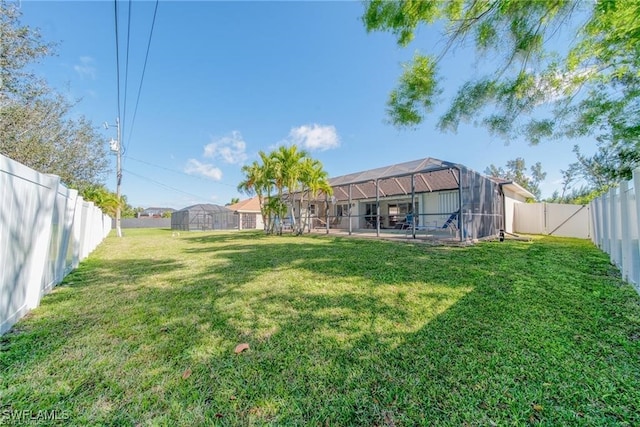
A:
225, 220
180, 220
479, 197
482, 210
204, 217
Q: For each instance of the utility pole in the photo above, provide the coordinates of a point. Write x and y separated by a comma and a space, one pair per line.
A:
116, 146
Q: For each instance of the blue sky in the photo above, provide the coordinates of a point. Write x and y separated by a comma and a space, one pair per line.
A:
225, 80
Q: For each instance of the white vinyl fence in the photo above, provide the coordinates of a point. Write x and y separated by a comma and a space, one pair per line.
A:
46, 229
616, 223
554, 219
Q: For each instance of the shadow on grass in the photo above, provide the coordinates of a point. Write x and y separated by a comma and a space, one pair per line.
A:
341, 331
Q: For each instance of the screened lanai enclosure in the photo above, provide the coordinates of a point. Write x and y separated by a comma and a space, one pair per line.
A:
423, 198
204, 217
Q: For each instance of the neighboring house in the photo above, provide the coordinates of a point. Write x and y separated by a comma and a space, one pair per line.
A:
429, 191
154, 212
249, 214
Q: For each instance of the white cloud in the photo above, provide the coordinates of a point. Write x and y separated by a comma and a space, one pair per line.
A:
86, 68
195, 167
315, 137
231, 149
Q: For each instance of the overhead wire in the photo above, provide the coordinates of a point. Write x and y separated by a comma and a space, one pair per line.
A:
115, 3
144, 68
168, 187
126, 76
179, 172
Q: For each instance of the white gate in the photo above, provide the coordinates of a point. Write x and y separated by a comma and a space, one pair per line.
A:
553, 219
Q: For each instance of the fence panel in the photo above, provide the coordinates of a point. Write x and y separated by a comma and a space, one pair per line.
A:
38, 220
529, 218
553, 218
616, 221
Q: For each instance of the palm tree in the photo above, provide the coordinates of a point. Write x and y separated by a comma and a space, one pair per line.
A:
260, 180
313, 180
256, 182
102, 198
287, 171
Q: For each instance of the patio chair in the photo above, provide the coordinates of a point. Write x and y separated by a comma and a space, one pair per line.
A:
451, 223
319, 222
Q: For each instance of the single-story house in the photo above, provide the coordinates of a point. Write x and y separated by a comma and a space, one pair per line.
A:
154, 212
423, 194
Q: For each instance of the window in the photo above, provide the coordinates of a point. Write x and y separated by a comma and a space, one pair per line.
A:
312, 209
342, 210
448, 202
370, 209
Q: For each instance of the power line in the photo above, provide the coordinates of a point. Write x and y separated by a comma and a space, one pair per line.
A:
167, 186
144, 68
115, 3
126, 72
177, 171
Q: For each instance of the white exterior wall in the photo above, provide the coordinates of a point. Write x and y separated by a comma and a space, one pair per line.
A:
511, 199
259, 222
40, 236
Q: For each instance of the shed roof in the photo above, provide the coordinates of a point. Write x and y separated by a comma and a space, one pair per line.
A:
206, 207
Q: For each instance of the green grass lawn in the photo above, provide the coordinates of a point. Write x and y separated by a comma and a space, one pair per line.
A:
342, 332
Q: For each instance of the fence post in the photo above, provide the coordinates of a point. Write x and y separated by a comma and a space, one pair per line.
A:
595, 217
625, 230
600, 216
636, 191
613, 227
606, 223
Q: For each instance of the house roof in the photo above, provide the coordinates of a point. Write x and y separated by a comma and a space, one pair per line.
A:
429, 175
400, 169
513, 186
154, 209
248, 205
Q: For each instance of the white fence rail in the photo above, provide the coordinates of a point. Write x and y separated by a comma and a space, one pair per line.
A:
555, 219
46, 229
616, 224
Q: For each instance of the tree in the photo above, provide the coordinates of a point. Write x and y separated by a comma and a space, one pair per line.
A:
516, 171
233, 201
287, 166
35, 124
278, 178
589, 86
126, 210
19, 47
258, 181
314, 179
104, 199
107, 201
